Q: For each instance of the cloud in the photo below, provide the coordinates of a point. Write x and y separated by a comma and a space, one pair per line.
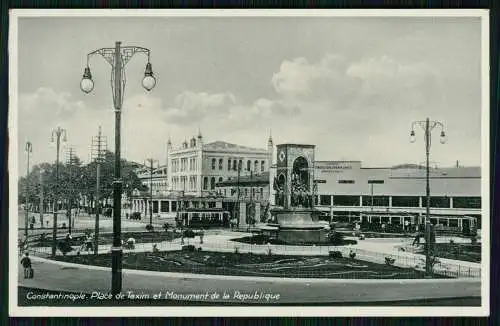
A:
47, 101
190, 107
375, 82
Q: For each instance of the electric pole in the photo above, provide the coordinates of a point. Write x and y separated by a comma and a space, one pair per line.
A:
98, 150
71, 187
151, 161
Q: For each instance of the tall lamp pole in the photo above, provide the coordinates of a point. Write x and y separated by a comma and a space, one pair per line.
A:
117, 57
427, 126
56, 137
29, 150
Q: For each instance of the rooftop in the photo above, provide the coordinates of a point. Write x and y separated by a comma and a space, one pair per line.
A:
222, 146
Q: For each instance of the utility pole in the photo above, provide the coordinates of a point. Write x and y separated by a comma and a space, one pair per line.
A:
151, 161
29, 150
71, 188
98, 150
56, 137
41, 198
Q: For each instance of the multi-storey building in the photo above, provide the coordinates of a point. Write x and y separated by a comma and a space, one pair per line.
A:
193, 170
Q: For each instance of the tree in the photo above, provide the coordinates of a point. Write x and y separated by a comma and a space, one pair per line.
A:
75, 181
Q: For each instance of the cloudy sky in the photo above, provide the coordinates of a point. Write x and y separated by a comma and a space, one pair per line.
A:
350, 85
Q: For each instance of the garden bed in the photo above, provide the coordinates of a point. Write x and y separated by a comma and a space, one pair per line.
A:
457, 251
247, 264
261, 240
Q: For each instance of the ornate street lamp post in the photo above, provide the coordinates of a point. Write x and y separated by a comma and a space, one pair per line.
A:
29, 150
117, 57
56, 137
427, 125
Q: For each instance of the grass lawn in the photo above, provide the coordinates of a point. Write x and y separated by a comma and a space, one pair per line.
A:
246, 264
458, 251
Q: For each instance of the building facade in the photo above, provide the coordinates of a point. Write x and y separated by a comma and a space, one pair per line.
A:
192, 172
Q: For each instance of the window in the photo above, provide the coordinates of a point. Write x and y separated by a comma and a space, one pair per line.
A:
437, 202
234, 165
212, 183
211, 204
466, 202
346, 181
221, 179
220, 164
256, 166
262, 164
213, 164
155, 207
405, 201
377, 200
240, 165
453, 222
174, 206
346, 200
248, 165
164, 206
229, 164
205, 183
325, 200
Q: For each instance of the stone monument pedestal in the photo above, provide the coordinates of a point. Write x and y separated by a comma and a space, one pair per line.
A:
297, 225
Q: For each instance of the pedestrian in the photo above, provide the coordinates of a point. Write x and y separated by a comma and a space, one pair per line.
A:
26, 262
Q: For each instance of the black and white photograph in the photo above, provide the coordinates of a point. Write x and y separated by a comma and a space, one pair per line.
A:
249, 163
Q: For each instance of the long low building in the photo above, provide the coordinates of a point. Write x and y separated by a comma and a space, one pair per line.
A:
346, 190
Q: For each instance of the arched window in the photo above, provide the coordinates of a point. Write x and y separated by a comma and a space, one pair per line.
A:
221, 179
256, 166
234, 165
240, 164
249, 165
220, 164
262, 163
205, 183
229, 164
213, 164
212, 183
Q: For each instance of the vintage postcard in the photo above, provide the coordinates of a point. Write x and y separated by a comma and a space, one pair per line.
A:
249, 163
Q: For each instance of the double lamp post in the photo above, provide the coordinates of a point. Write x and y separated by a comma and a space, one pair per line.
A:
117, 57
427, 125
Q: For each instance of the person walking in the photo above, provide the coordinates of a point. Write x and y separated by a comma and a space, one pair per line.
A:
26, 262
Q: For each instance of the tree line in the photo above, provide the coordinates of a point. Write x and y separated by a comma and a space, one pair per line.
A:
76, 181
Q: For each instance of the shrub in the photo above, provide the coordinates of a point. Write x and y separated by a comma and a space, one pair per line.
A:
352, 255
335, 254
149, 227
188, 248
336, 238
389, 261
